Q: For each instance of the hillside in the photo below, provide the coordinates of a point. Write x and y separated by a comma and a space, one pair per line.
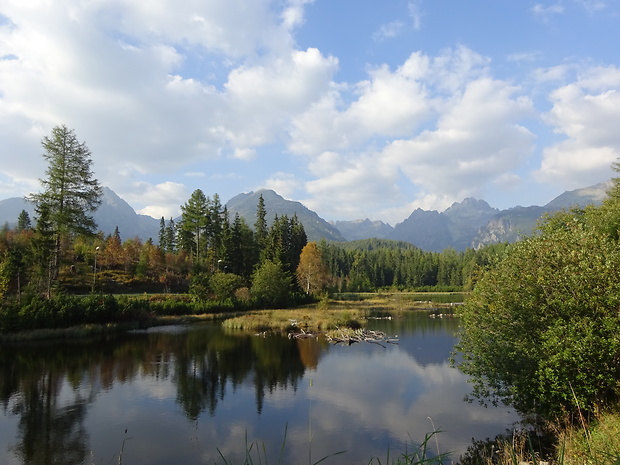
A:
316, 227
113, 212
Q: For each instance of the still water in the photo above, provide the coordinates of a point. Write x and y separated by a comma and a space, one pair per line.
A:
186, 394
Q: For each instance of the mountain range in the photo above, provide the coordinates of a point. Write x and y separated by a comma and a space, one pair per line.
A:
468, 224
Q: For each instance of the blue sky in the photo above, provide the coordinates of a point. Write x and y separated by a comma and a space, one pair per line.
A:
359, 109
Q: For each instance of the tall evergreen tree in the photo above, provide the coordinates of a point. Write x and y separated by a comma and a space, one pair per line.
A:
70, 192
162, 233
23, 221
42, 250
171, 236
260, 227
193, 226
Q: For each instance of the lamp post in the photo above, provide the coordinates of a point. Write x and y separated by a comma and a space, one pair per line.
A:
95, 268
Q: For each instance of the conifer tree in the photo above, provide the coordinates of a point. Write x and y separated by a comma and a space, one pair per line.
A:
23, 221
70, 192
194, 223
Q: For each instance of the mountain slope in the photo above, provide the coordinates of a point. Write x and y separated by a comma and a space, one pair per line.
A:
316, 227
428, 230
581, 197
362, 229
516, 223
113, 212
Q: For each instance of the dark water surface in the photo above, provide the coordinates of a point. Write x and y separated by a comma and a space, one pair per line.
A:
183, 395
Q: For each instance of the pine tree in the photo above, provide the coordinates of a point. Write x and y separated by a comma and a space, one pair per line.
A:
23, 221
194, 223
70, 192
162, 234
260, 227
171, 236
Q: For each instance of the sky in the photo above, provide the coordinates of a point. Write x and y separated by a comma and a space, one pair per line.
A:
356, 108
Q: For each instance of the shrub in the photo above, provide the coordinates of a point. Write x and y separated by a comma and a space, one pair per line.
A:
541, 328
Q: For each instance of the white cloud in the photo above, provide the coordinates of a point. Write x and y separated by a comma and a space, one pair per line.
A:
285, 184
389, 31
244, 153
262, 98
350, 187
293, 14
415, 12
556, 73
586, 113
440, 124
592, 5
388, 104
186, 89
162, 199
544, 12
525, 56
397, 27
478, 138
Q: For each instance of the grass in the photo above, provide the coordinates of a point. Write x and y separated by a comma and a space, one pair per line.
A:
599, 443
332, 314
594, 443
420, 455
308, 318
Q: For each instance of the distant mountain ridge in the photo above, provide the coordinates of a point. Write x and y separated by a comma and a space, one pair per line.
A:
113, 212
316, 227
470, 223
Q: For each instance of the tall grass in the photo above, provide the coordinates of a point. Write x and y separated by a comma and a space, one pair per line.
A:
599, 443
256, 453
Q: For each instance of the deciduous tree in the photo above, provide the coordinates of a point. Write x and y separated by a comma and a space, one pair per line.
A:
311, 272
271, 285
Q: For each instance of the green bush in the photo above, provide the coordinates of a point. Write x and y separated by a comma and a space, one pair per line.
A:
541, 328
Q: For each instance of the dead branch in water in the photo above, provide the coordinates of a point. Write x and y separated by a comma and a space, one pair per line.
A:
361, 335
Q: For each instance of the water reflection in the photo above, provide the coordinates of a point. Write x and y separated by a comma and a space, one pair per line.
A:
183, 394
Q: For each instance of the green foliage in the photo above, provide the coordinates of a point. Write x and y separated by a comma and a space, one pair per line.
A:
69, 191
284, 243
23, 221
365, 266
199, 286
70, 194
63, 311
193, 225
5, 277
541, 328
271, 285
224, 285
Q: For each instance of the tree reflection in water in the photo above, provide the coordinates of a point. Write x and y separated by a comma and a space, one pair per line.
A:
50, 385
210, 389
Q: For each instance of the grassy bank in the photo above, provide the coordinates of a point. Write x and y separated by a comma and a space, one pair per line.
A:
329, 314
597, 443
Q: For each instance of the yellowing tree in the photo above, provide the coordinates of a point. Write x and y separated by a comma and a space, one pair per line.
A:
312, 273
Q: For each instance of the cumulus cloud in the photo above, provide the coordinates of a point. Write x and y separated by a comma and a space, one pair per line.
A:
285, 184
162, 199
439, 123
585, 112
175, 91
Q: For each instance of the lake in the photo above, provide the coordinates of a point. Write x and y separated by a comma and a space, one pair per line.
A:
186, 394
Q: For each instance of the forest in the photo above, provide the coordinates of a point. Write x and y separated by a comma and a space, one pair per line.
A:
205, 252
57, 271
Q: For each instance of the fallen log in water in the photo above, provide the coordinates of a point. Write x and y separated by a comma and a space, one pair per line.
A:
361, 335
